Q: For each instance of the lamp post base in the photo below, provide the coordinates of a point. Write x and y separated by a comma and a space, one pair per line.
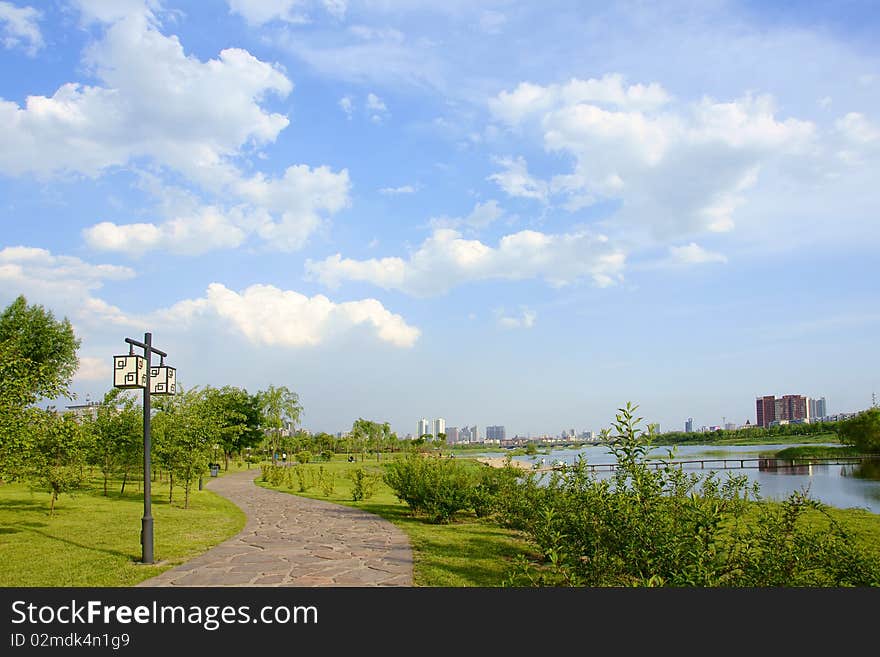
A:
147, 540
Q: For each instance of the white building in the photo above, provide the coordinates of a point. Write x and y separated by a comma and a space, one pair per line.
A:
424, 427
439, 426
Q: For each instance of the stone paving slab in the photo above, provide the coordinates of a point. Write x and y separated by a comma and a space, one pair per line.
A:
295, 541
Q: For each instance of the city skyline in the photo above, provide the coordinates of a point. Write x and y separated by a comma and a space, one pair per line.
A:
502, 213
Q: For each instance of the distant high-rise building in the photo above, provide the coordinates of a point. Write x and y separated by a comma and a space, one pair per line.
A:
794, 407
769, 409
439, 427
765, 410
424, 427
818, 408
475, 434
689, 425
495, 432
451, 435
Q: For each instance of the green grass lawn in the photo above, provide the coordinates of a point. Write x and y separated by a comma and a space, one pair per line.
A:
466, 552
93, 540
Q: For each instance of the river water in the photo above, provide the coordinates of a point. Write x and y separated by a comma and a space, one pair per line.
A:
840, 486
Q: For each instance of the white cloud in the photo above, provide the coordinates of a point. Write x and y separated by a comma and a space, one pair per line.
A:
676, 168
260, 12
94, 369
531, 100
88, 129
60, 281
859, 139
516, 181
268, 316
375, 103
857, 128
347, 106
19, 28
445, 260
395, 191
210, 112
263, 314
376, 108
208, 230
525, 320
480, 217
693, 254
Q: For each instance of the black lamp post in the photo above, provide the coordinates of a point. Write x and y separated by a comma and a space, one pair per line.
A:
132, 371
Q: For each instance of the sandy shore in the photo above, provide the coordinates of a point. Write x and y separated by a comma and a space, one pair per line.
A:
498, 462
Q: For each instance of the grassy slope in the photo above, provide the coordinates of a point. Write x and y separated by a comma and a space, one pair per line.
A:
94, 540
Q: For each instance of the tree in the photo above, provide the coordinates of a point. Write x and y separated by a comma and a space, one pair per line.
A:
238, 414
47, 345
187, 428
117, 433
277, 405
367, 432
18, 380
58, 450
862, 431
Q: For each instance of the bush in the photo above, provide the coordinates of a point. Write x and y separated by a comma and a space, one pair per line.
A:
304, 456
437, 488
274, 475
365, 482
327, 481
647, 527
862, 431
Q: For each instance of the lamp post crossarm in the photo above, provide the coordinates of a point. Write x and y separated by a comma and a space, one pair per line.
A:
153, 349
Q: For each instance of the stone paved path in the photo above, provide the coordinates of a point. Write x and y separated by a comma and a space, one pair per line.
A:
294, 541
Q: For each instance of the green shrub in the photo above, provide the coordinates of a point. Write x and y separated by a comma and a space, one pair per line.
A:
327, 481
274, 475
304, 456
305, 477
645, 526
365, 481
437, 488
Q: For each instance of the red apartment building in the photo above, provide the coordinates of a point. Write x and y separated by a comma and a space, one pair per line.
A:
789, 407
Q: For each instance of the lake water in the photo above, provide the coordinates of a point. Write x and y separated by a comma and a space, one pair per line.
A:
841, 486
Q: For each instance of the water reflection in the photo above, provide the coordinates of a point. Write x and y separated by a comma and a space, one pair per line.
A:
841, 485
780, 466
867, 469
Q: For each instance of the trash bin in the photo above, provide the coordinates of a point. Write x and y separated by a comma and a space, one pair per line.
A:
215, 469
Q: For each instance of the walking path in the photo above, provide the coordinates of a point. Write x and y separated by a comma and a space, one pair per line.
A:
295, 541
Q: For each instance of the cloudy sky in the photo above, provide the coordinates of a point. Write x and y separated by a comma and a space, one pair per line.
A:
500, 212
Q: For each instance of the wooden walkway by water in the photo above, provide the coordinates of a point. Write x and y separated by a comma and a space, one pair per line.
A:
757, 463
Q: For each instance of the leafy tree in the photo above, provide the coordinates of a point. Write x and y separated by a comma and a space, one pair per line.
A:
862, 431
278, 404
19, 379
117, 434
186, 430
46, 345
368, 433
239, 416
58, 451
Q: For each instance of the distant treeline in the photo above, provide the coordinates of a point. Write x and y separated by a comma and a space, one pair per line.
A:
748, 433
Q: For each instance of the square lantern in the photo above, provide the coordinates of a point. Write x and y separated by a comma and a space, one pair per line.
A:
129, 371
162, 380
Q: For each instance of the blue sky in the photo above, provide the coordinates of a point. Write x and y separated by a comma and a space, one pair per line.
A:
503, 212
